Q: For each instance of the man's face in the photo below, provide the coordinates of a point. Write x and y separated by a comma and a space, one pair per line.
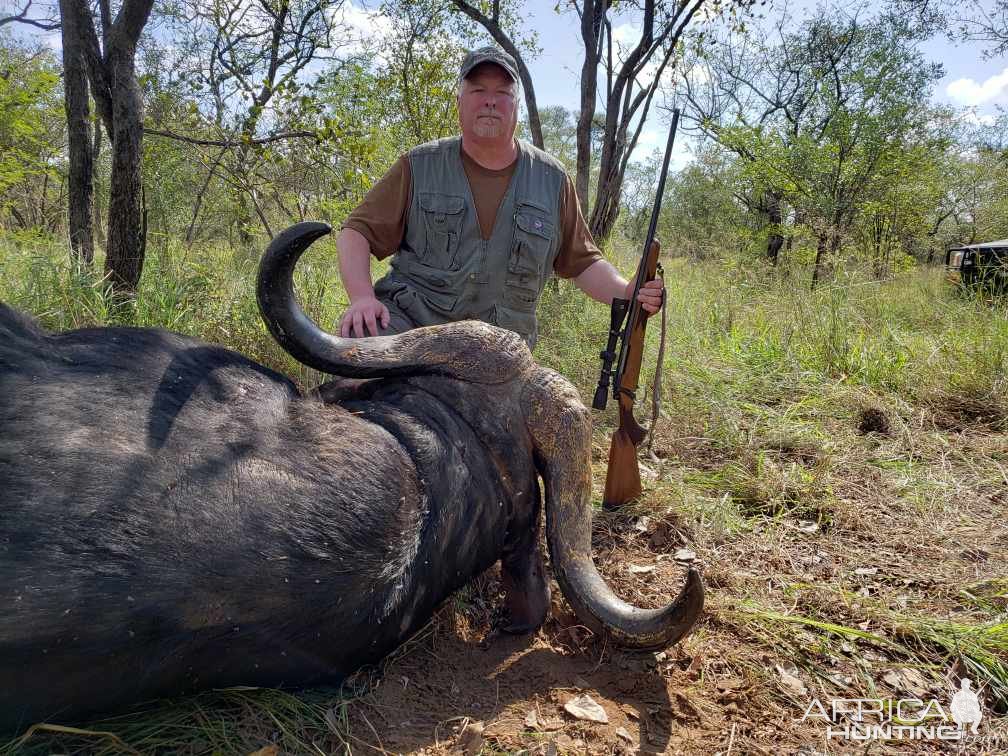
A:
486, 105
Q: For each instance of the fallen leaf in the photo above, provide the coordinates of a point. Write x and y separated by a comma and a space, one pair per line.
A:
584, 707
642, 524
684, 555
641, 569
729, 683
892, 678
532, 721
864, 571
270, 750
906, 681
791, 681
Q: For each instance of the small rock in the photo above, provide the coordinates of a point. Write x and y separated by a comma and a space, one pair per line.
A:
621, 733
532, 721
865, 571
808, 526
641, 569
642, 524
684, 555
584, 707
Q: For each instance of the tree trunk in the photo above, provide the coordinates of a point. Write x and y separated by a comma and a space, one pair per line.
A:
81, 170
111, 73
774, 218
124, 255
592, 16
820, 256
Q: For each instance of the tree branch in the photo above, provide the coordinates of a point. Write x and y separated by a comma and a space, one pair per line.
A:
48, 24
234, 143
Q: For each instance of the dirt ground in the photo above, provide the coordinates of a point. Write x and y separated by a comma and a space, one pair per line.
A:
740, 683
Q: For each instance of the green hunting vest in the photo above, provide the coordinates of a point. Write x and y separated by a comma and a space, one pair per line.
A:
445, 271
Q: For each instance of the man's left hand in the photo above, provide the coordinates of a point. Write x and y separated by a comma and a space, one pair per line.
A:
650, 296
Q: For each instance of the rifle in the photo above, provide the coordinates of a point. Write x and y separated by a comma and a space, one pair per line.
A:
623, 475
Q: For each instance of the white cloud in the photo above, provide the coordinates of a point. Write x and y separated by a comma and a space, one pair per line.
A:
361, 26
969, 92
626, 36
54, 41
979, 119
653, 140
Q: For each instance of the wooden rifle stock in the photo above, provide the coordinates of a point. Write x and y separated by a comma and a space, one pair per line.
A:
623, 481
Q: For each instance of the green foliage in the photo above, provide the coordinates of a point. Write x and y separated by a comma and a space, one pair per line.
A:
31, 133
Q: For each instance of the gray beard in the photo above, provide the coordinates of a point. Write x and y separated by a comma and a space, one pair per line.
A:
487, 129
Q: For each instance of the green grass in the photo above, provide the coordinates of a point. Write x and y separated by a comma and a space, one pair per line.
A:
735, 334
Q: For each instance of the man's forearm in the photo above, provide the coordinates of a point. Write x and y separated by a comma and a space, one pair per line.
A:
355, 264
602, 282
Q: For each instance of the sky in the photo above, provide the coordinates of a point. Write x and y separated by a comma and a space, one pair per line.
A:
970, 80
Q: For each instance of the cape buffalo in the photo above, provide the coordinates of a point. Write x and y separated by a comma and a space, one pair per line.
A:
174, 516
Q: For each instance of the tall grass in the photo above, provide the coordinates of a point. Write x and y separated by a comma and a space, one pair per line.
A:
735, 333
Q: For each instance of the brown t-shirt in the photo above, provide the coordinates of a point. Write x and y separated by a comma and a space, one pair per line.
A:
381, 216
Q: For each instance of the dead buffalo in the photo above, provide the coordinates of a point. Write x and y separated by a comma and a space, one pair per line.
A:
174, 516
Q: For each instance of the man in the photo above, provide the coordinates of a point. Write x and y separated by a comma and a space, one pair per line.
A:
475, 225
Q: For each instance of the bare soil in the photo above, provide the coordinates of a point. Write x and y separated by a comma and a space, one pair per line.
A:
740, 683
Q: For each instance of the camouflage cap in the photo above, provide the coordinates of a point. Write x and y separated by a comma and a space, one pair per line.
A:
489, 54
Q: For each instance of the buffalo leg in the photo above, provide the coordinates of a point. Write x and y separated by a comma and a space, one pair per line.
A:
526, 592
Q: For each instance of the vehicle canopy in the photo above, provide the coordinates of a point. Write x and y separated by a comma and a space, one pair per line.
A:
994, 245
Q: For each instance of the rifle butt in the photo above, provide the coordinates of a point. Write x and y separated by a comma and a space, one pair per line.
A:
623, 481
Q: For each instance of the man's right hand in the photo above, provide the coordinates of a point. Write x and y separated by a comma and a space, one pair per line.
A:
366, 311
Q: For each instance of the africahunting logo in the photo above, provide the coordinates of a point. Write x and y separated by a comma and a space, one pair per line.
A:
902, 719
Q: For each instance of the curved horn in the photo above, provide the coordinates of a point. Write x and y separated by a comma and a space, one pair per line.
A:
560, 426
471, 350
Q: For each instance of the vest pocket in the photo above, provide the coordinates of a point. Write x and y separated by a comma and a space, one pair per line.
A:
533, 238
442, 215
530, 255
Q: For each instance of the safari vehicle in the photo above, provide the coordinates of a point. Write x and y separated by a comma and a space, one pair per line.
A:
979, 265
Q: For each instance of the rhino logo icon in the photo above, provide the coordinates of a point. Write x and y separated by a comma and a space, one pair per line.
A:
965, 707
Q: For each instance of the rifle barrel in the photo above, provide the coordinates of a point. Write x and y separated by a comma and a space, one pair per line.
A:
641, 272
